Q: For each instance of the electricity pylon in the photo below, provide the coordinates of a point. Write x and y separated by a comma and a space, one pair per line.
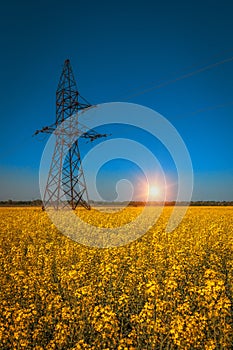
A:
66, 185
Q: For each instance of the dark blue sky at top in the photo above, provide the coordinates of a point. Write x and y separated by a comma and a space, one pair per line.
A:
118, 50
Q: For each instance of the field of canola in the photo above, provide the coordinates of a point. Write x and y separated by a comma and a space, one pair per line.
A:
163, 291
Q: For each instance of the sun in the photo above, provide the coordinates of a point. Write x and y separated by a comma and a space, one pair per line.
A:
153, 191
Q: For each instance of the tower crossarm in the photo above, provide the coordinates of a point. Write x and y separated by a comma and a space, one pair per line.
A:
46, 130
90, 134
82, 131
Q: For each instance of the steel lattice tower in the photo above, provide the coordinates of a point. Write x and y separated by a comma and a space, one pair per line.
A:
66, 186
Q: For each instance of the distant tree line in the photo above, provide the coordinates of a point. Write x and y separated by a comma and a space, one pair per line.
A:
192, 203
38, 203
11, 203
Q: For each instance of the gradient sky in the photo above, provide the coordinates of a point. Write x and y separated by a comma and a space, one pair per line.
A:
118, 50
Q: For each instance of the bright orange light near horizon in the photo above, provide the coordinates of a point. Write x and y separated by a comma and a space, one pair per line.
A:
154, 190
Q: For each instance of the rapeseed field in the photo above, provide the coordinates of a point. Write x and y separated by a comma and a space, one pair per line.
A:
163, 291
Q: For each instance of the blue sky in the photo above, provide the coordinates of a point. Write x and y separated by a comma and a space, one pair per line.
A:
117, 51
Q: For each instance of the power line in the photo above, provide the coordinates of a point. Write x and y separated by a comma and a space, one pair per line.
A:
193, 65
184, 76
157, 86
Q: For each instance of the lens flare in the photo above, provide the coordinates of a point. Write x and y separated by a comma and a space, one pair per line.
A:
154, 191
